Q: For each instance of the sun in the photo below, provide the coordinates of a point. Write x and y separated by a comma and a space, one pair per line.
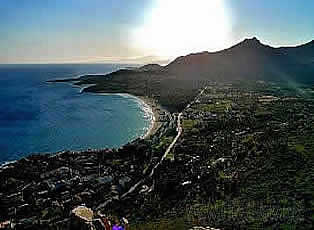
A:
179, 27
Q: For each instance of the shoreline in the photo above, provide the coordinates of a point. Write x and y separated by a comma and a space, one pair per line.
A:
146, 103
155, 124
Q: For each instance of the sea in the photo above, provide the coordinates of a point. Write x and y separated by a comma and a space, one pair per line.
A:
40, 117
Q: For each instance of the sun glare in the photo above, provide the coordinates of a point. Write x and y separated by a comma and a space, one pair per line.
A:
179, 27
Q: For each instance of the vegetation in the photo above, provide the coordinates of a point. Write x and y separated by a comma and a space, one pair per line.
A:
244, 160
162, 224
189, 124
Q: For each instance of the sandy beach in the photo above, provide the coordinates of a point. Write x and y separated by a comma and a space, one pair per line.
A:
150, 103
155, 121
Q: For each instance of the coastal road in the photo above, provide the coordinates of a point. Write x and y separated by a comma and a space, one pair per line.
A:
179, 130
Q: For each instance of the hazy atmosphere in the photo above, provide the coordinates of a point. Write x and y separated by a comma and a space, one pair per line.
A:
143, 31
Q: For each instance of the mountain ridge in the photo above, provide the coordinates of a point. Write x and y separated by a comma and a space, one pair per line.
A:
177, 83
249, 59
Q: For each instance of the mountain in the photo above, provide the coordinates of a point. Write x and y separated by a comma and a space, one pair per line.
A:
151, 67
177, 83
248, 60
303, 53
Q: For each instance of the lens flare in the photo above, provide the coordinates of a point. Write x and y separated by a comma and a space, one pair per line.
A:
178, 27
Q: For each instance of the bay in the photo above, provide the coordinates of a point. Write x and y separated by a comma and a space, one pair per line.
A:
40, 117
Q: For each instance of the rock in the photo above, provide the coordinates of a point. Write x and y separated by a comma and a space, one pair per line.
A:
81, 218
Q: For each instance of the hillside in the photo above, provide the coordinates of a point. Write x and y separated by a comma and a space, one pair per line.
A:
239, 156
174, 85
248, 60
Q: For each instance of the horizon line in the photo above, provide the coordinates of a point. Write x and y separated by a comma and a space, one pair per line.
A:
161, 61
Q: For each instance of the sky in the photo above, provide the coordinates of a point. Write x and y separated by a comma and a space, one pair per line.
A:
143, 31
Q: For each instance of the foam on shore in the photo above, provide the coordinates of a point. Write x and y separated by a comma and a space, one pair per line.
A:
144, 106
148, 111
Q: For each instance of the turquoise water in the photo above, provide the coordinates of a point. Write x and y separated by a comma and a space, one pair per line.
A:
40, 117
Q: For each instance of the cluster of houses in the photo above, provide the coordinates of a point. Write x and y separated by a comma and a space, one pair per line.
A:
43, 190
219, 149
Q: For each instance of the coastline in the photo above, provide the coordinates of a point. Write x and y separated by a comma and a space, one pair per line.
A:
145, 102
155, 124
150, 107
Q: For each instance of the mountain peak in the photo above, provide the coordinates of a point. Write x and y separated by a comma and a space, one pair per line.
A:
251, 44
253, 41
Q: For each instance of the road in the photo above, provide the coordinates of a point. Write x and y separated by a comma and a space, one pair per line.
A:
179, 130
